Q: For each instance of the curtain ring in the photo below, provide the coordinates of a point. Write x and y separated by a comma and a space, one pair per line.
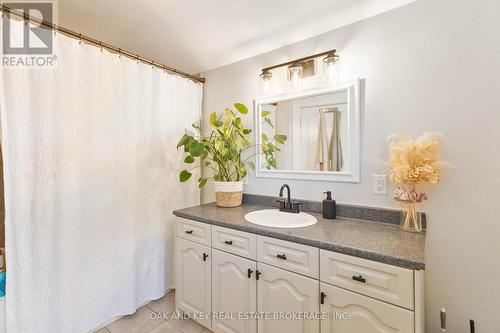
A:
25, 18
152, 64
119, 53
54, 27
100, 44
137, 57
80, 41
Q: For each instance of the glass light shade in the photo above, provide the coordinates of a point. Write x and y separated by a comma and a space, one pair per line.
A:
329, 72
295, 75
266, 83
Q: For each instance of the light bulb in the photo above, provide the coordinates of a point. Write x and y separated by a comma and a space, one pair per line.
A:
295, 75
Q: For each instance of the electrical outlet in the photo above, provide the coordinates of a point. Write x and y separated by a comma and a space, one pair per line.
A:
380, 184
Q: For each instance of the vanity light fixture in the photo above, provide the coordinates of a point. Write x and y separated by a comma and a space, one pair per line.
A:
299, 68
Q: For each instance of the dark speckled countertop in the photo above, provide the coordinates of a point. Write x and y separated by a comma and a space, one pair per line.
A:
376, 241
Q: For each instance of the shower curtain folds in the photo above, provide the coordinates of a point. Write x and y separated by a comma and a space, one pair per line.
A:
90, 168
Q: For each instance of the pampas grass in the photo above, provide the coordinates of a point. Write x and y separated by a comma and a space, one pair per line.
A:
414, 161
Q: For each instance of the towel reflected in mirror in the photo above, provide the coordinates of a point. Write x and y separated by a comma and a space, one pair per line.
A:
329, 147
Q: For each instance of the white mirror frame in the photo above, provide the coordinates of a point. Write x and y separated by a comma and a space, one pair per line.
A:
354, 124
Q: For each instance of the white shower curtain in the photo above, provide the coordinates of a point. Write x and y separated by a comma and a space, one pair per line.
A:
91, 179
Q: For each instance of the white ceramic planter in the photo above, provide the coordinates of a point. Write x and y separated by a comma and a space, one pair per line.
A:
228, 194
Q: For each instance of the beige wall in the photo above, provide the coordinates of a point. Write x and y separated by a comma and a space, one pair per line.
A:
431, 65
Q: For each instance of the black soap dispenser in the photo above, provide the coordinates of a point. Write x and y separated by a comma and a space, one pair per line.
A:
329, 206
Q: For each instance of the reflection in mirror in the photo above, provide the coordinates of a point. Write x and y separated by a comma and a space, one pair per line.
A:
317, 131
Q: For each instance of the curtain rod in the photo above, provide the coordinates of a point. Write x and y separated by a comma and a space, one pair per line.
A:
52, 26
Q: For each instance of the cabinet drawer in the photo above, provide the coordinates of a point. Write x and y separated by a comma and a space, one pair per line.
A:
234, 241
351, 312
381, 281
193, 231
295, 257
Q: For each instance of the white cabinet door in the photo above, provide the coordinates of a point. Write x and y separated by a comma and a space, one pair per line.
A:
351, 312
193, 280
286, 294
234, 291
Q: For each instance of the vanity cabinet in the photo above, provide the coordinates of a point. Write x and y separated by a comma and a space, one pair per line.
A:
245, 280
286, 293
234, 291
193, 279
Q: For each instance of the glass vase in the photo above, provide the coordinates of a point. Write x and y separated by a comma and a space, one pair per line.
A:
411, 218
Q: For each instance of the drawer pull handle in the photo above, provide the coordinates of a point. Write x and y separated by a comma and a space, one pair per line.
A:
257, 274
359, 278
322, 296
189, 232
229, 242
205, 256
250, 273
281, 256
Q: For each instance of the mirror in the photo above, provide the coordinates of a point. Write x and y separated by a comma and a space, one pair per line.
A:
322, 130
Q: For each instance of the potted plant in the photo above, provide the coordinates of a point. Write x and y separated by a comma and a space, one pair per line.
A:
225, 152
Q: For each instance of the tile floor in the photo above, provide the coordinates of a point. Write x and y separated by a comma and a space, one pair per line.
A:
140, 321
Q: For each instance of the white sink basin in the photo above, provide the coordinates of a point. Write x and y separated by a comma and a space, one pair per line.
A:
276, 219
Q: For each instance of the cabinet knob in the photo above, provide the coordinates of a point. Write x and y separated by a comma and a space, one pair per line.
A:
229, 242
359, 278
250, 273
205, 256
189, 232
281, 256
257, 274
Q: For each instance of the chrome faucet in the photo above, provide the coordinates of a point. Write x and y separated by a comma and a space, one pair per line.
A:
288, 206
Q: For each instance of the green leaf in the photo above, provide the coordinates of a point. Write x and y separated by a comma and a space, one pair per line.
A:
242, 172
265, 113
213, 118
189, 159
202, 182
280, 138
207, 163
241, 108
272, 162
238, 123
184, 140
184, 175
196, 149
268, 121
233, 152
264, 137
247, 131
251, 164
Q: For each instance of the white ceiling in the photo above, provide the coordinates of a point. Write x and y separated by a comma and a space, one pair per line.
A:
198, 35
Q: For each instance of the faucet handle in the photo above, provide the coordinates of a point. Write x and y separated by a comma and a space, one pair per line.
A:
295, 207
282, 203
